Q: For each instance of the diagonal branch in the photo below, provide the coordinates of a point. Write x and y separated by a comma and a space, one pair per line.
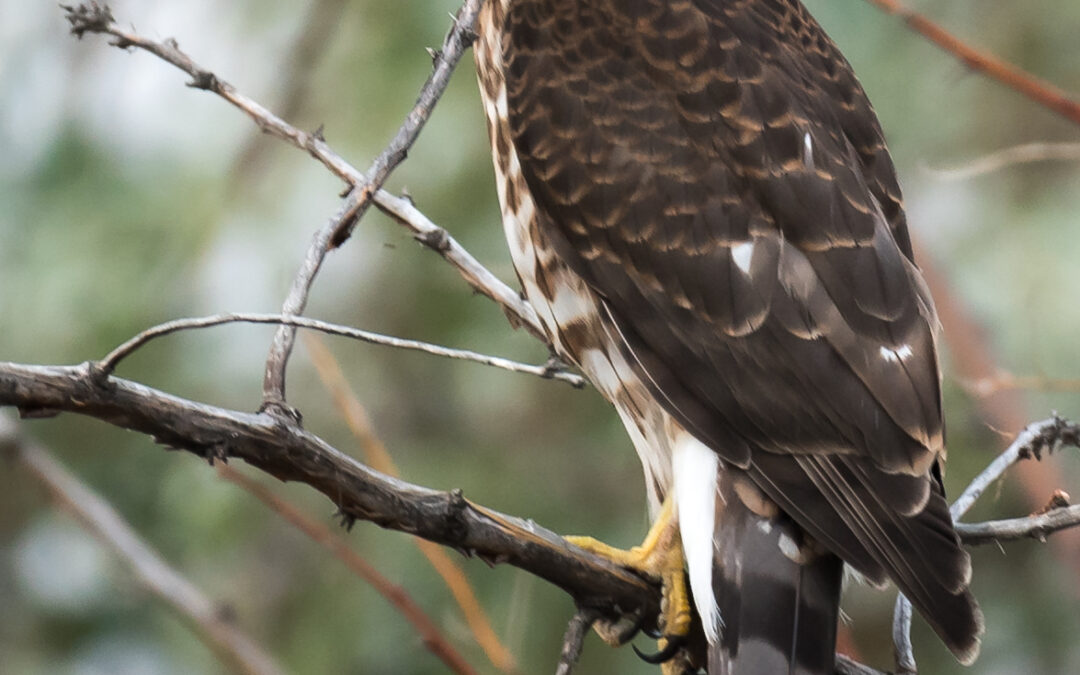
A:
210, 623
287, 452
430, 635
1034, 88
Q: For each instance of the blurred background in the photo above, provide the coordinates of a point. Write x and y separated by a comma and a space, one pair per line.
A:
127, 199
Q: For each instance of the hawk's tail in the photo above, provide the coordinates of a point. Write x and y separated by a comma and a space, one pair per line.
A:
778, 594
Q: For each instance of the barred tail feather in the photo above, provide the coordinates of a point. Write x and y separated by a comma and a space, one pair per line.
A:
778, 592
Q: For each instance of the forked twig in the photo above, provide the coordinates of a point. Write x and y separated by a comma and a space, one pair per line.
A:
335, 232
1045, 436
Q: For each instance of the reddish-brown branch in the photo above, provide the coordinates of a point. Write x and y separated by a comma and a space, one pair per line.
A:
397, 596
1034, 88
376, 455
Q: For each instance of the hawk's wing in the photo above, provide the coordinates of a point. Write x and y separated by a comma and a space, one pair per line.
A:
714, 171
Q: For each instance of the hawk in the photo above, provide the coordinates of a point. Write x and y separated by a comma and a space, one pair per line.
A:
700, 205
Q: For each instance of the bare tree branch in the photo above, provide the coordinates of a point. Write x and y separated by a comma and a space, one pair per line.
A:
334, 233
1029, 527
988, 386
1042, 92
209, 620
286, 451
847, 666
548, 371
432, 637
94, 18
1047, 435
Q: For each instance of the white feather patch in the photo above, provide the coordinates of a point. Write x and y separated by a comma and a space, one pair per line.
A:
694, 466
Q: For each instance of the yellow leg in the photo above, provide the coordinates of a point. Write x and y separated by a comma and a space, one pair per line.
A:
660, 556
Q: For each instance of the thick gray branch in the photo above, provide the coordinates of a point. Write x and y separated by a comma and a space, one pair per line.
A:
288, 452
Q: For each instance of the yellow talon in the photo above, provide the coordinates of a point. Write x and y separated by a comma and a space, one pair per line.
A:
660, 556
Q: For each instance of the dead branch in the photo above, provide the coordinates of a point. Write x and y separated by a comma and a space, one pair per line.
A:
334, 233
289, 453
1046, 436
1029, 527
94, 18
210, 621
1042, 92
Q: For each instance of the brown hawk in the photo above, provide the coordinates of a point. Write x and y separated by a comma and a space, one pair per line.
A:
700, 205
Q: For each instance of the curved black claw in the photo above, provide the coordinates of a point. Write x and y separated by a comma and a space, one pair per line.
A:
654, 633
674, 644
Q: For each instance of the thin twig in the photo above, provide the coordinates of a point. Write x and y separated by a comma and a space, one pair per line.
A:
1018, 154
379, 458
904, 650
335, 232
108, 364
209, 620
397, 596
574, 639
1034, 88
1047, 435
1029, 527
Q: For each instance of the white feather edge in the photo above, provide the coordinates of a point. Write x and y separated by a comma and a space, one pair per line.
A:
695, 468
